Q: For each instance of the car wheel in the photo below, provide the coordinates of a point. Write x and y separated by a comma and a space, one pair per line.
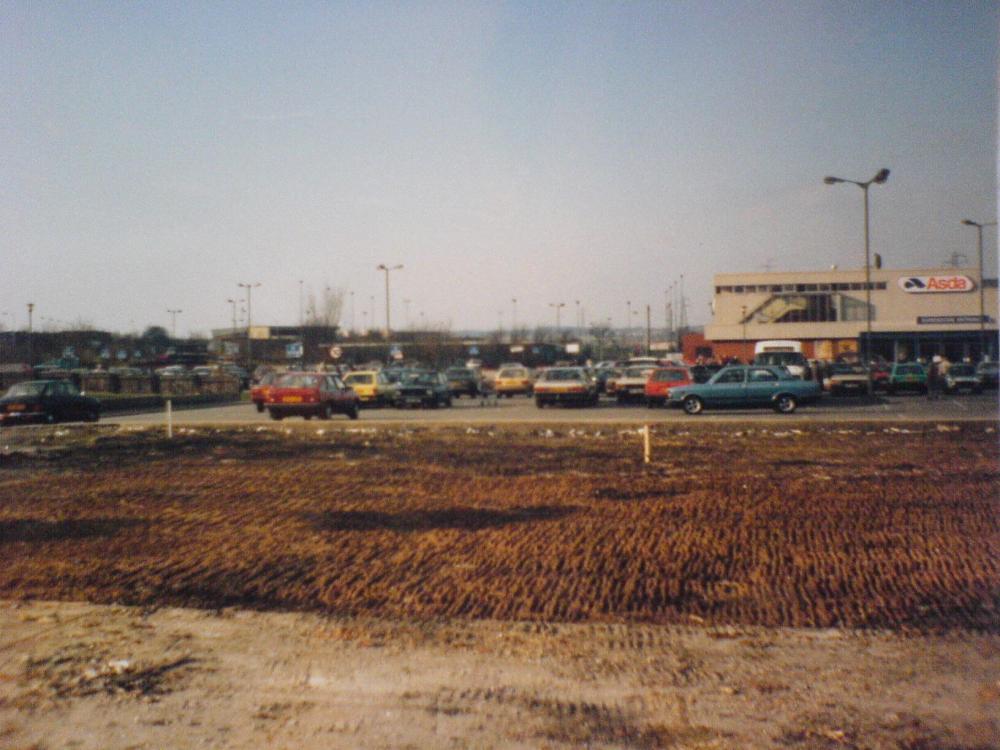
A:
307, 417
785, 404
693, 405
352, 411
260, 407
276, 416
92, 416
326, 412
50, 417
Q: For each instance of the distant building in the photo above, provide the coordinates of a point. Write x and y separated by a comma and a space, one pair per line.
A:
915, 313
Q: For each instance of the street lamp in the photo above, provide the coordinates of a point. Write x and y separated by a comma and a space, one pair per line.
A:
233, 303
250, 286
384, 267
982, 305
173, 322
558, 306
301, 318
31, 343
513, 318
743, 320
878, 179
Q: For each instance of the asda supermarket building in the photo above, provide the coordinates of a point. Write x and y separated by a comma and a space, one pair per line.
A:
915, 313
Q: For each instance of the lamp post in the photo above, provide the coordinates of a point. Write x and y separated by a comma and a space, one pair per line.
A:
233, 303
513, 317
31, 343
352, 313
249, 287
982, 304
173, 322
558, 306
387, 269
878, 179
743, 320
301, 313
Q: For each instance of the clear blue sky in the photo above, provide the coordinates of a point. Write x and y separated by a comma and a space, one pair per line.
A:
152, 155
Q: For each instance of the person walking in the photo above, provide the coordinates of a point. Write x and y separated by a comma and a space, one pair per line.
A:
934, 378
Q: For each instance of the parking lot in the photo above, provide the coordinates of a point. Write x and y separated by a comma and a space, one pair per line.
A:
521, 410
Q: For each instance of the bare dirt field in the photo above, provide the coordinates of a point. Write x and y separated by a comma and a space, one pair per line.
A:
829, 586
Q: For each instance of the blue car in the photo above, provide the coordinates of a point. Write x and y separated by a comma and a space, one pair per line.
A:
743, 386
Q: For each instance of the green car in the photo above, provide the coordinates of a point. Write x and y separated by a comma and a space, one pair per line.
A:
907, 376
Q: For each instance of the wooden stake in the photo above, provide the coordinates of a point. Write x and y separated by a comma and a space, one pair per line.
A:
645, 444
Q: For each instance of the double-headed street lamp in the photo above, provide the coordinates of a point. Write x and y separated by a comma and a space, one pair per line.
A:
982, 305
878, 179
384, 267
558, 306
250, 286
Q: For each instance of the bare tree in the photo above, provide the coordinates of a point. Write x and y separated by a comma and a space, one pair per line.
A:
324, 309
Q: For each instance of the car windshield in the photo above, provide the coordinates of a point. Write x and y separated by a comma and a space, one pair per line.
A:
669, 376
26, 389
297, 380
779, 359
963, 370
512, 373
563, 374
420, 378
360, 378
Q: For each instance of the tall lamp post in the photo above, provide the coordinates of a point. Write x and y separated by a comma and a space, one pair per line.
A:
387, 269
558, 306
173, 322
31, 343
982, 304
878, 179
233, 303
513, 317
250, 286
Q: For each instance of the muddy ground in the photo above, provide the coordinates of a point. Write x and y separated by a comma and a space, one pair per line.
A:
825, 586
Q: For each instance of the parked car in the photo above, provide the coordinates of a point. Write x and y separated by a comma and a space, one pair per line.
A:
611, 380
987, 373
631, 384
742, 386
311, 394
907, 376
47, 401
258, 394
511, 381
704, 373
662, 380
559, 385
374, 387
463, 381
794, 362
846, 378
962, 377
425, 388
880, 376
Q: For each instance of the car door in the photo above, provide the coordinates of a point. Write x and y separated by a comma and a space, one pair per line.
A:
728, 387
762, 384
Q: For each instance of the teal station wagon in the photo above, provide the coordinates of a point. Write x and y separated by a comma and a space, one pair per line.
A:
742, 386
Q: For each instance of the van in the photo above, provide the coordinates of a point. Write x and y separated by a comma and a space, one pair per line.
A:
781, 353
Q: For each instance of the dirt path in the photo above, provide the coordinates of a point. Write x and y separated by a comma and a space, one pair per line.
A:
85, 676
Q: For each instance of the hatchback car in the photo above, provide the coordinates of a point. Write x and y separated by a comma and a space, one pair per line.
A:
463, 381
962, 377
662, 380
846, 378
425, 388
374, 387
511, 381
907, 376
311, 394
47, 401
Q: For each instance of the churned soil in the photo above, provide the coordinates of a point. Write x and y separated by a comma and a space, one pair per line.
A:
308, 587
844, 526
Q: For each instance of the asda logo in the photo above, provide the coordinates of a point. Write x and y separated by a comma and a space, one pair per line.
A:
926, 284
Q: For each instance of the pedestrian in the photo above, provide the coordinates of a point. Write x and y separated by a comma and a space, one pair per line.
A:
934, 378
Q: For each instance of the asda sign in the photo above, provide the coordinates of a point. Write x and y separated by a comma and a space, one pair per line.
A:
933, 284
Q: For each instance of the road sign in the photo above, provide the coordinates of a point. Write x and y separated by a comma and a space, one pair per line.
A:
336, 352
294, 350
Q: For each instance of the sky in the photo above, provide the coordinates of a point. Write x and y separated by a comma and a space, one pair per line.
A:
155, 155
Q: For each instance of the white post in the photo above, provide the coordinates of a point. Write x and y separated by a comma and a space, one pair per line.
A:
170, 419
645, 444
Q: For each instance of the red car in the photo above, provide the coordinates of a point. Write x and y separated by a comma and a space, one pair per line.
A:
311, 394
661, 380
258, 394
